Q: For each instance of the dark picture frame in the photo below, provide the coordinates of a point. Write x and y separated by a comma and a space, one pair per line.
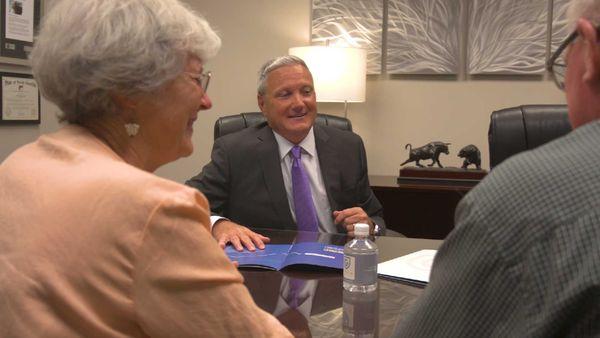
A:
19, 99
16, 33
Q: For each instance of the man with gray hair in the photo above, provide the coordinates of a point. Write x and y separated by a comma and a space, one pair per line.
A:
287, 173
523, 260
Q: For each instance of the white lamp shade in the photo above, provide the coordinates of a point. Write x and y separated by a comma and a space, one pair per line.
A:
339, 73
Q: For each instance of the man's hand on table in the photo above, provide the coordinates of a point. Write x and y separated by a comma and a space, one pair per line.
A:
348, 217
225, 231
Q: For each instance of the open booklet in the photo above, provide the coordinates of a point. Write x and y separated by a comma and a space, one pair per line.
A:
279, 256
413, 269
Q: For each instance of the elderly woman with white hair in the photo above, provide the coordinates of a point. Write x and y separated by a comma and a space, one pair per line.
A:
93, 244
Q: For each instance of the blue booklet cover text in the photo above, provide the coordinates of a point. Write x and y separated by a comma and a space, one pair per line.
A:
279, 256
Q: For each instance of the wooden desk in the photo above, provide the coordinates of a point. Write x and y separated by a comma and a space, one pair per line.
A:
328, 314
418, 210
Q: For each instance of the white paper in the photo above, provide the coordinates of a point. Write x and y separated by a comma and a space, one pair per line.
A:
19, 20
415, 266
20, 97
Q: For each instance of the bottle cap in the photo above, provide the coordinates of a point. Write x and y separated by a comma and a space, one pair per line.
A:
361, 229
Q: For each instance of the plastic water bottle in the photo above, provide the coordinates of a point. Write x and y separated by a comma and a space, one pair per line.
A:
360, 261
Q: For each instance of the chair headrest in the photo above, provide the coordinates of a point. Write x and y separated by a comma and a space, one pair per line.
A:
516, 129
234, 123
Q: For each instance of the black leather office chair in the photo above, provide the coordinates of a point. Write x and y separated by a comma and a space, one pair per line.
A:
232, 123
516, 129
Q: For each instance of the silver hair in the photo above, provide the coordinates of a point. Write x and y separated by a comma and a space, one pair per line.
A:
588, 9
89, 50
271, 65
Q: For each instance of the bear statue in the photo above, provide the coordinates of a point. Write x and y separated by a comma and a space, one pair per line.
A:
471, 155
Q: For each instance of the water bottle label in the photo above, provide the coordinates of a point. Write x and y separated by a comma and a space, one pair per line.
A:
361, 270
349, 267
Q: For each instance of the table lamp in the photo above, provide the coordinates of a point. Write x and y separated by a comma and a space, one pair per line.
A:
339, 73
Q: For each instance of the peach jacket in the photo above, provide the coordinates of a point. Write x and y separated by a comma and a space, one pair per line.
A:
92, 246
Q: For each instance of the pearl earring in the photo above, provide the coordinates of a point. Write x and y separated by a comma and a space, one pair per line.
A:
132, 129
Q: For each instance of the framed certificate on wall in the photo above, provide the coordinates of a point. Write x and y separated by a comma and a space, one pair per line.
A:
18, 25
20, 97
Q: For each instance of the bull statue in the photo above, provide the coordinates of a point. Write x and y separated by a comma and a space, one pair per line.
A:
431, 150
471, 155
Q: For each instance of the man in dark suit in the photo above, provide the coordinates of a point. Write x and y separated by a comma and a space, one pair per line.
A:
251, 181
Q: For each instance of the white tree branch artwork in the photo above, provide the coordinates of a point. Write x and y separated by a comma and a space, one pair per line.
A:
350, 23
507, 36
560, 28
444, 36
423, 36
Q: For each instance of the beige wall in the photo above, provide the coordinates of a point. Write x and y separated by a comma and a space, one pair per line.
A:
397, 111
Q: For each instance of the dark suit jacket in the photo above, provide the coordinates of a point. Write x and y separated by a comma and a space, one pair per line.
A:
244, 183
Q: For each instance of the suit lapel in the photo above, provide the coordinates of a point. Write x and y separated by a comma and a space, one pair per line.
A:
268, 154
327, 161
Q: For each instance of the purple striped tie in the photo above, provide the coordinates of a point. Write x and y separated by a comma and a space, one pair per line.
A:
306, 215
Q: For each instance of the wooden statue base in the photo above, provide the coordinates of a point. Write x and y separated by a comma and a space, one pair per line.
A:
445, 176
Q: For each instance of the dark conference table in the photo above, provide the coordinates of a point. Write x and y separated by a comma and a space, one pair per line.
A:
334, 312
